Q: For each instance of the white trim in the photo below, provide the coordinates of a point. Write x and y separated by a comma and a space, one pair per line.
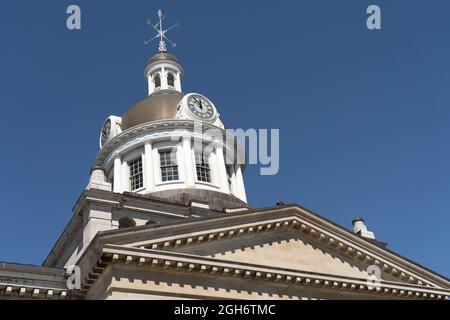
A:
117, 178
221, 169
168, 183
206, 184
241, 194
149, 170
189, 162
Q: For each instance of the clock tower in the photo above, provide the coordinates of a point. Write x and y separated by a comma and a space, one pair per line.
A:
152, 149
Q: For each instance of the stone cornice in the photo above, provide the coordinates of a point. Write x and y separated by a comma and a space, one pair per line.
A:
31, 282
333, 242
31, 292
176, 262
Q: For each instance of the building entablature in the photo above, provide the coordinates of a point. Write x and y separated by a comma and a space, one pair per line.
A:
116, 256
32, 282
162, 130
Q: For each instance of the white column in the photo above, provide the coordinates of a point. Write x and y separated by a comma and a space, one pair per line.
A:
241, 194
125, 177
178, 81
118, 175
188, 163
151, 85
156, 166
164, 84
149, 171
222, 170
233, 188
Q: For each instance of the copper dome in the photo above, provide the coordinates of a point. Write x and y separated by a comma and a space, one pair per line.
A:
161, 105
161, 57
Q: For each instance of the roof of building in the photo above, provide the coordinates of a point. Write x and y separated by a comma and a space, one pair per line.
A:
162, 56
161, 105
216, 201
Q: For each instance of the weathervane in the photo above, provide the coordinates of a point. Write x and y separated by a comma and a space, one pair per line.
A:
161, 32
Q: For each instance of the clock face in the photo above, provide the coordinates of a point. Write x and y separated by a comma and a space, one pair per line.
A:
201, 107
106, 131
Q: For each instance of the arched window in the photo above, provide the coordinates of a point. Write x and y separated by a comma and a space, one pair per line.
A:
126, 223
171, 79
157, 80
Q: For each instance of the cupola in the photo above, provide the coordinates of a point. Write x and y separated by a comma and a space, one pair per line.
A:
163, 73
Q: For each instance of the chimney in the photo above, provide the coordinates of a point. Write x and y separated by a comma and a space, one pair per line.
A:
360, 228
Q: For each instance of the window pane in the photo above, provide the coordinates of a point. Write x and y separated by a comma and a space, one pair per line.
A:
169, 166
203, 168
136, 175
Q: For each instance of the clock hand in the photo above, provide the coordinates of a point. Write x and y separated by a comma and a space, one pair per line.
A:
196, 101
199, 103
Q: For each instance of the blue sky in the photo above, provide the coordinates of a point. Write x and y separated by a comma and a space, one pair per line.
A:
364, 115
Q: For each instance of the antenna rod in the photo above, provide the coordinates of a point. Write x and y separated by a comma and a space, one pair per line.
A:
161, 43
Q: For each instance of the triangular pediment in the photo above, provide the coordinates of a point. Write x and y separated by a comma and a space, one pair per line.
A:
293, 239
285, 249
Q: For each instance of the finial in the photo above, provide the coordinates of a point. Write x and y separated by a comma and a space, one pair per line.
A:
161, 32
